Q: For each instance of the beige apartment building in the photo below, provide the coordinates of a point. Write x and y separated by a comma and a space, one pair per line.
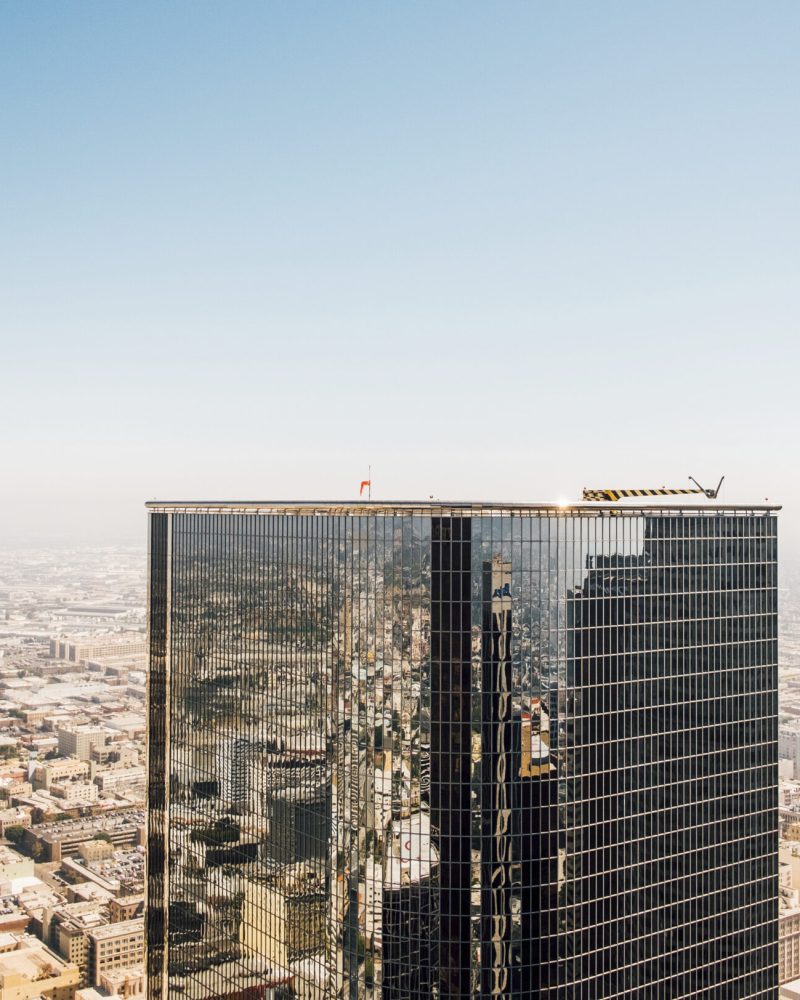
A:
66, 927
115, 946
126, 983
789, 945
73, 946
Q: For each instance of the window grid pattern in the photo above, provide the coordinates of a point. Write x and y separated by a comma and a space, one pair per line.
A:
158, 766
463, 754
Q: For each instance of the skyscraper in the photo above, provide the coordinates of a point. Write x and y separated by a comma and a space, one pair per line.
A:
451, 750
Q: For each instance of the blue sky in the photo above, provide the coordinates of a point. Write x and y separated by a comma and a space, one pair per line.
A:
495, 250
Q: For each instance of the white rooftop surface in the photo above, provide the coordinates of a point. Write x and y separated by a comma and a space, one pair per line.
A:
119, 929
57, 694
18, 885
8, 856
124, 721
89, 920
31, 960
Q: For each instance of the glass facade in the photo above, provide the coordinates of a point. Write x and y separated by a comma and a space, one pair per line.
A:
451, 751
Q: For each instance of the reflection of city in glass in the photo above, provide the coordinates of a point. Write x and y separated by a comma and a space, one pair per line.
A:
451, 752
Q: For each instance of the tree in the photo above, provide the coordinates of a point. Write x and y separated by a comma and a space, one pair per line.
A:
102, 835
15, 834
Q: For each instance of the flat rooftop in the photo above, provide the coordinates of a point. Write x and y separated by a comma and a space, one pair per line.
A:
120, 929
32, 960
438, 508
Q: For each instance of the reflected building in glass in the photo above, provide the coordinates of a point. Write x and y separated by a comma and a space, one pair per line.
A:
447, 751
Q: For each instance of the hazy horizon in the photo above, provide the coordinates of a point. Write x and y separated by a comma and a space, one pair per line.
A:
497, 252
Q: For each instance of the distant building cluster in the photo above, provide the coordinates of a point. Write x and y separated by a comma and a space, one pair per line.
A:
73, 673
789, 805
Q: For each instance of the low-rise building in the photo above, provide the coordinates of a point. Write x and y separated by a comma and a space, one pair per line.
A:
45, 808
73, 946
12, 919
129, 724
96, 849
58, 771
116, 778
114, 755
14, 865
60, 840
89, 892
18, 789
29, 970
789, 944
65, 928
79, 650
14, 817
116, 946
126, 908
11, 788
129, 984
77, 872
75, 791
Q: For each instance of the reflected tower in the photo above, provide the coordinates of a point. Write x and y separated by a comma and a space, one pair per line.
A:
446, 751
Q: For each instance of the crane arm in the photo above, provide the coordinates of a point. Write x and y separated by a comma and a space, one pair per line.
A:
613, 495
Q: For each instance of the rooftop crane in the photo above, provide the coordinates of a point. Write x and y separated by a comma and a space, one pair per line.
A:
614, 495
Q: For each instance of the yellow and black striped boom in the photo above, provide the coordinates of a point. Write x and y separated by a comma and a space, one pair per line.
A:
614, 495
